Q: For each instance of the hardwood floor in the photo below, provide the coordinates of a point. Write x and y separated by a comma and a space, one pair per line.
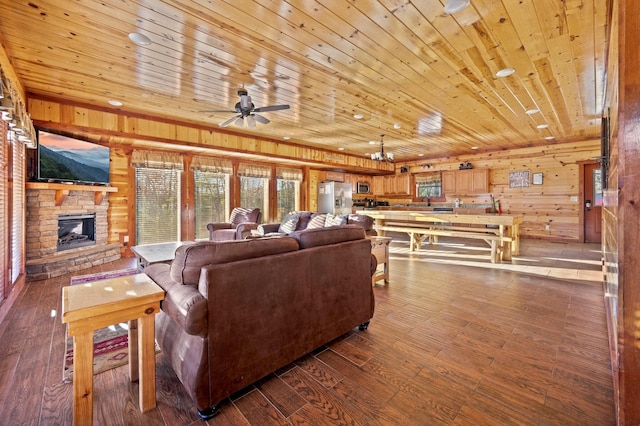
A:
454, 340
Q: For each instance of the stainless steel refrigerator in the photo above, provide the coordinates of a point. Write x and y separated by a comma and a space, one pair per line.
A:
334, 197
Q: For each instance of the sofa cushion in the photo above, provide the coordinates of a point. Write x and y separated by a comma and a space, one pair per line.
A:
308, 238
317, 221
289, 223
189, 259
335, 219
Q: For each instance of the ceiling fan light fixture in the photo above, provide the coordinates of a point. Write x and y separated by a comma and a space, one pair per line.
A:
455, 6
251, 120
505, 72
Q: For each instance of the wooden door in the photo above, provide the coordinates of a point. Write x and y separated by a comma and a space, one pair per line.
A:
592, 203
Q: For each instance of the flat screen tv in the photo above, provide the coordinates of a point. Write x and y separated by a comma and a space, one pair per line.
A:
66, 159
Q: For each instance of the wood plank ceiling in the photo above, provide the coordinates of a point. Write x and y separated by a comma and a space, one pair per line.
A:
423, 78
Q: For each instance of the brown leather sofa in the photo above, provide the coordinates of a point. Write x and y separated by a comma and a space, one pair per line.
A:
297, 221
241, 222
235, 311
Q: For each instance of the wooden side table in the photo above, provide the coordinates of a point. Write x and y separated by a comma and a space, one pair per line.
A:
380, 249
91, 306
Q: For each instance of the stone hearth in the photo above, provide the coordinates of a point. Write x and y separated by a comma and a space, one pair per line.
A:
44, 260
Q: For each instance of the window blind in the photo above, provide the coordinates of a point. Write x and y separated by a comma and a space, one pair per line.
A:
254, 170
17, 216
156, 160
430, 178
157, 205
288, 173
212, 165
211, 200
4, 202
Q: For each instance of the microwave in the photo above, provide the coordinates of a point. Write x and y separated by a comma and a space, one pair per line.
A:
362, 188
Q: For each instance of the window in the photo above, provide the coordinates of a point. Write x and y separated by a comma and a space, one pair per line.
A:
429, 186
18, 207
254, 186
211, 178
158, 178
288, 190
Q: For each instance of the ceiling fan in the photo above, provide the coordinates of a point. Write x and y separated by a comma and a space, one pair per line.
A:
248, 110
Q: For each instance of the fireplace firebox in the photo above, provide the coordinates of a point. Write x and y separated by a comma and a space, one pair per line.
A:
76, 230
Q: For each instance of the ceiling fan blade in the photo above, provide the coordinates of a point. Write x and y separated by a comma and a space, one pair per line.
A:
251, 120
229, 121
261, 119
217, 110
271, 108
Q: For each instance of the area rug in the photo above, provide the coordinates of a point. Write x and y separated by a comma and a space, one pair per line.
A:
110, 344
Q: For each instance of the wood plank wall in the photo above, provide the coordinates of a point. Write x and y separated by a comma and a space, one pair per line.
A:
557, 202
622, 222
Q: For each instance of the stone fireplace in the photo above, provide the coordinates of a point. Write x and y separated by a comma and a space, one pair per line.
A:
66, 229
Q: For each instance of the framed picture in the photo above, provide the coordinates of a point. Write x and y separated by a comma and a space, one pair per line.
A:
519, 179
537, 178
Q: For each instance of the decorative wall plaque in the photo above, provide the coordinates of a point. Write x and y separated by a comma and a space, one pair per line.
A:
519, 179
537, 178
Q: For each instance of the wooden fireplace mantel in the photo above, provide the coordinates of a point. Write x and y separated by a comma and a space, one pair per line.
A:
62, 190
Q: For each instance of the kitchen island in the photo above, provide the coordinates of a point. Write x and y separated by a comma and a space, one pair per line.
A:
501, 231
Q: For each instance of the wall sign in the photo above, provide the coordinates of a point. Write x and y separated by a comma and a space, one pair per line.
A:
537, 178
519, 179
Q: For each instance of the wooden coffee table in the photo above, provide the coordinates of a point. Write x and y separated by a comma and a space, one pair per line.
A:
98, 304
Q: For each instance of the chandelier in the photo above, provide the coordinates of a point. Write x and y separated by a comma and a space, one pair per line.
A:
381, 155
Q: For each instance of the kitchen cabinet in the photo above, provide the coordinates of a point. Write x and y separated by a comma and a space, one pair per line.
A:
392, 185
449, 182
377, 188
465, 182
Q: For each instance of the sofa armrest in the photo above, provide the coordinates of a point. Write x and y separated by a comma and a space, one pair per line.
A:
244, 229
182, 303
187, 307
219, 225
268, 228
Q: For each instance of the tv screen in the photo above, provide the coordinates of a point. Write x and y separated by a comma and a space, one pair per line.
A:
66, 159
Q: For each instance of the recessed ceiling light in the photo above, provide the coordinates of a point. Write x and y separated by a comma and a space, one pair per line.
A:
139, 39
341, 148
286, 138
455, 6
532, 111
542, 126
396, 126
505, 72
420, 155
474, 147
372, 142
115, 102
358, 116
549, 138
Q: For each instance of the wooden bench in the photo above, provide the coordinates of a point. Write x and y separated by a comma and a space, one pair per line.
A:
418, 233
